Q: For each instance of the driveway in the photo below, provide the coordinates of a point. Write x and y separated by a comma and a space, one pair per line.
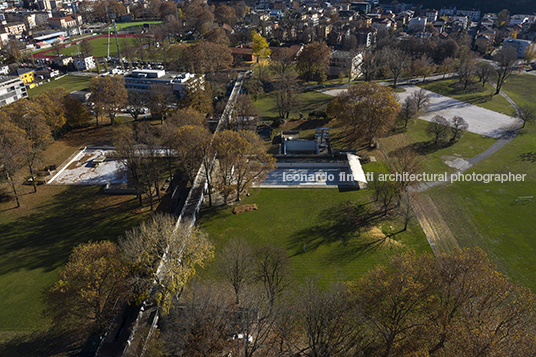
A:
481, 121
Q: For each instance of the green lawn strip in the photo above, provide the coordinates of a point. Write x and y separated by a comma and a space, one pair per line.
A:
126, 25
521, 88
433, 157
69, 82
37, 241
100, 46
307, 102
475, 94
304, 218
487, 216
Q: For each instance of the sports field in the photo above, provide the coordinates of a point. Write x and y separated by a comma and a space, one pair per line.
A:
69, 82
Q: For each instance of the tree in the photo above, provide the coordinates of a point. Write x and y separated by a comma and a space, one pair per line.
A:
369, 107
198, 96
466, 68
530, 53
527, 113
458, 126
56, 48
94, 278
191, 144
326, 317
505, 66
160, 100
272, 268
369, 68
236, 264
246, 114
405, 209
282, 60
408, 111
395, 60
109, 95
260, 46
137, 102
75, 112
225, 15
423, 66
286, 94
86, 48
51, 102
242, 161
503, 18
217, 36
13, 149
313, 60
484, 71
163, 254
438, 129
421, 99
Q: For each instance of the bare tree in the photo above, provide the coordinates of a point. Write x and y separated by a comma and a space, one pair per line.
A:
236, 264
467, 69
421, 99
286, 94
272, 268
505, 66
160, 100
395, 60
369, 67
137, 102
405, 209
527, 113
458, 126
408, 111
484, 71
438, 129
13, 148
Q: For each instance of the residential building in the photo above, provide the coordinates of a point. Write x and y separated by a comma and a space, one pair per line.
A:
11, 90
41, 17
473, 14
4, 69
14, 29
347, 62
362, 8
431, 15
483, 43
84, 63
519, 45
25, 75
47, 73
417, 24
64, 22
447, 11
63, 60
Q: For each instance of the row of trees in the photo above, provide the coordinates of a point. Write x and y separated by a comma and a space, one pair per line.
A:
452, 305
28, 125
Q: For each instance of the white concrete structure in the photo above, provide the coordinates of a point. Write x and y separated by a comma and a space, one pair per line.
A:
84, 63
519, 45
347, 62
11, 90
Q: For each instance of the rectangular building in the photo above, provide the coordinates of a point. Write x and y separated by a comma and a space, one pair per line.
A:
11, 90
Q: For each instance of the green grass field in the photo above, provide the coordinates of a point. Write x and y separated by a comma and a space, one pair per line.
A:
38, 238
487, 216
100, 47
69, 82
314, 219
308, 101
521, 88
432, 157
126, 25
475, 94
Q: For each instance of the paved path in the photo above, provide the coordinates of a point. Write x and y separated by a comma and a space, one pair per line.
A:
481, 121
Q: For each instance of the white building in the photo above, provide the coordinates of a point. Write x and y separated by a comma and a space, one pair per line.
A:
347, 62
431, 15
84, 63
11, 90
473, 14
417, 24
143, 79
519, 45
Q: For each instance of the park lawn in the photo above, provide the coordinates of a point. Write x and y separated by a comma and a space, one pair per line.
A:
100, 46
433, 157
37, 240
306, 223
475, 94
69, 82
308, 102
126, 25
487, 216
521, 88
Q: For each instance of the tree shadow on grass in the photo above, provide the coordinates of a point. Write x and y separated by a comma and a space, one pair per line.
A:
528, 156
422, 147
342, 227
45, 238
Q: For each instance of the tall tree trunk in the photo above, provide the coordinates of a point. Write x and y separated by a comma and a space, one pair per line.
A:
12, 184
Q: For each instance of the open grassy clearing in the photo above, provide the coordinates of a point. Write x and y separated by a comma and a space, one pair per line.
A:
314, 219
486, 215
135, 24
100, 46
38, 237
307, 102
432, 156
474, 94
69, 82
521, 89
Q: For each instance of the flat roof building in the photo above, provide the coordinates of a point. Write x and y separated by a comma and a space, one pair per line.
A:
11, 90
